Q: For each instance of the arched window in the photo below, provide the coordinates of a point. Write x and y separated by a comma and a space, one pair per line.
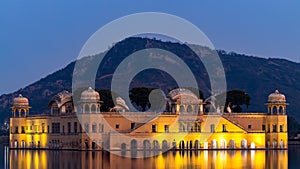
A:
123, 147
197, 127
87, 109
190, 145
189, 109
69, 109
165, 146
93, 109
280, 110
23, 112
189, 127
181, 145
156, 145
223, 144
94, 128
196, 145
244, 143
133, 144
274, 110
181, 127
146, 145
182, 109
55, 110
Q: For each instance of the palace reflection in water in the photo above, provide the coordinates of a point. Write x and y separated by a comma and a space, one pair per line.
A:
171, 159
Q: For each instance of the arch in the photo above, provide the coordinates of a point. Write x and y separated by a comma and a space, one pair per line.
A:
133, 144
189, 109
123, 147
16, 144
93, 108
274, 110
94, 127
86, 143
223, 144
196, 145
214, 144
86, 108
280, 110
252, 145
244, 143
205, 145
55, 109
191, 144
182, 128
275, 144
189, 127
232, 144
22, 112
94, 145
147, 148
181, 145
69, 109
156, 145
281, 144
146, 145
23, 144
165, 146
197, 127
182, 109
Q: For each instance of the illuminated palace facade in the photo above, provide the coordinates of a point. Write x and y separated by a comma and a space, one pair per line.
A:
186, 125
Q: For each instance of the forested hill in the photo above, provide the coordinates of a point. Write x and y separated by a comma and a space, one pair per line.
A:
256, 76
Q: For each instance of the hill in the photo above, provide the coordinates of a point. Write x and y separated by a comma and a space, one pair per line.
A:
257, 76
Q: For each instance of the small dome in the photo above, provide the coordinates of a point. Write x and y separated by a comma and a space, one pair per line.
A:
276, 97
61, 98
183, 95
20, 101
90, 95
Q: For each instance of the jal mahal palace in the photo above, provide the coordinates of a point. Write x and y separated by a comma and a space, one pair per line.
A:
185, 125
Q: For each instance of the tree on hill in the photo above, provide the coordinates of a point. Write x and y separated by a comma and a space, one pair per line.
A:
107, 96
140, 96
234, 99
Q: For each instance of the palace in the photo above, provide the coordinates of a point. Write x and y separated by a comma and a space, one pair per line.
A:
185, 125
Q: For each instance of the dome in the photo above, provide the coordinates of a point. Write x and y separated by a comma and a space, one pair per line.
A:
183, 95
90, 95
61, 98
120, 102
276, 97
20, 101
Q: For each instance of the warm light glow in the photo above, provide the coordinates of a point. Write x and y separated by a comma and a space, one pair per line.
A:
252, 145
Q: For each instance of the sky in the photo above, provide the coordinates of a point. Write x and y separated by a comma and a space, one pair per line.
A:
39, 37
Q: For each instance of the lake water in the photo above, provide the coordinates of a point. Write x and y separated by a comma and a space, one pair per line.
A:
178, 159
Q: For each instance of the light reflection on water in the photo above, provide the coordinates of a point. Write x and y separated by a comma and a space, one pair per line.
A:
173, 159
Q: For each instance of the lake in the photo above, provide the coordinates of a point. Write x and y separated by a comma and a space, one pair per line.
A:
173, 159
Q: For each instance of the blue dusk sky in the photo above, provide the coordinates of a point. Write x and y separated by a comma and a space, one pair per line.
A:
40, 37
